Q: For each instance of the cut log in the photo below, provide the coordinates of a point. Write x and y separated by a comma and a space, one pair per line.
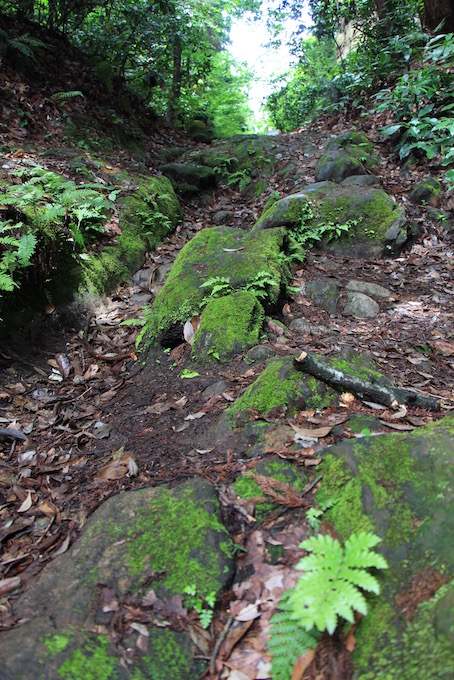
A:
388, 395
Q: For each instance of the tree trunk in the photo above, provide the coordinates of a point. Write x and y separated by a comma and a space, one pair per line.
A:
437, 10
176, 79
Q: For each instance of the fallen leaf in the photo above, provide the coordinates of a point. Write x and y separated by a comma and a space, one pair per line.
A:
27, 504
7, 585
63, 364
64, 546
316, 433
402, 427
249, 613
445, 348
302, 663
196, 416
91, 371
346, 399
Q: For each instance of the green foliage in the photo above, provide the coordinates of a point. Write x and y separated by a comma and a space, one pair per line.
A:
63, 96
23, 45
241, 179
333, 578
203, 606
44, 199
16, 251
219, 286
421, 104
288, 640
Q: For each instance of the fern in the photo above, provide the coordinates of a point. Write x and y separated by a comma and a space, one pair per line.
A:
16, 253
333, 578
288, 640
63, 96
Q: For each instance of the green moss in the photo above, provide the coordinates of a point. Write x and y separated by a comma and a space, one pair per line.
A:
93, 660
357, 365
344, 491
56, 643
228, 325
373, 627
169, 657
169, 536
415, 651
281, 385
216, 252
247, 487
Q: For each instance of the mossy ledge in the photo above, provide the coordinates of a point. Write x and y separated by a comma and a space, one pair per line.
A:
145, 217
400, 487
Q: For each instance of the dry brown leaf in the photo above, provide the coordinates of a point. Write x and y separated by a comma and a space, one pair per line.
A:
7, 585
316, 433
91, 371
445, 348
119, 466
64, 546
249, 612
302, 663
347, 399
402, 427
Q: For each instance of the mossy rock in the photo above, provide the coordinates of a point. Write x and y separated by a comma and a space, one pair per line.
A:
246, 487
147, 216
281, 385
345, 155
174, 534
216, 253
228, 326
427, 192
376, 224
200, 131
399, 486
189, 178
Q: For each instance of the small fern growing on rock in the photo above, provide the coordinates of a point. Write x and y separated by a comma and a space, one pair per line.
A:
333, 578
329, 589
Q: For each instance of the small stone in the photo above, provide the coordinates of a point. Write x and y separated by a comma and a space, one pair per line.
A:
324, 292
372, 289
216, 388
300, 326
361, 306
259, 353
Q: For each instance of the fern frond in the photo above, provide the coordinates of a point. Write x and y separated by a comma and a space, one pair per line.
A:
333, 579
6, 282
288, 640
62, 96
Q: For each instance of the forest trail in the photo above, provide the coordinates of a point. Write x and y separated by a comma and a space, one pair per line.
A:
98, 425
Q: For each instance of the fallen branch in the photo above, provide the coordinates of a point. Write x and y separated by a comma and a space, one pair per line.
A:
381, 394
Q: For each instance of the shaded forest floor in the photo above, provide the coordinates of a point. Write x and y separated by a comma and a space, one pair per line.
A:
96, 427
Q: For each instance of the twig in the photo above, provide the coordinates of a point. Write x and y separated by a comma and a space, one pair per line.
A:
219, 642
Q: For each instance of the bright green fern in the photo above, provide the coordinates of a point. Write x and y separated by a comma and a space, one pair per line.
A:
288, 640
333, 578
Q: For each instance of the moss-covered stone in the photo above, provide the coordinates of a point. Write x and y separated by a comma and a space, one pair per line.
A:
345, 155
170, 536
228, 326
375, 223
400, 487
189, 178
281, 385
427, 192
217, 253
61, 271
247, 487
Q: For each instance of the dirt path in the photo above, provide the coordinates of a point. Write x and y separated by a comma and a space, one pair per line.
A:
96, 426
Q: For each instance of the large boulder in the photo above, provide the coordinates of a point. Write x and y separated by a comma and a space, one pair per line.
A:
188, 178
345, 155
401, 487
217, 260
355, 220
147, 544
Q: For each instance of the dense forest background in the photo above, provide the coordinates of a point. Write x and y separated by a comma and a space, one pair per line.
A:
174, 56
